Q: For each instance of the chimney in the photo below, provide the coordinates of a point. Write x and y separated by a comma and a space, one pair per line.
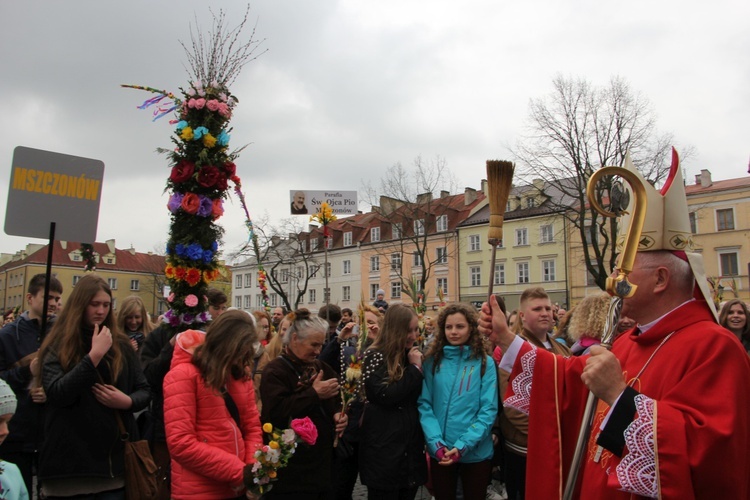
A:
485, 187
111, 245
538, 184
470, 195
705, 178
275, 240
444, 194
63, 244
424, 198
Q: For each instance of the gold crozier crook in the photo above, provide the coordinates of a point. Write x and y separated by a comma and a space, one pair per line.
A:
618, 287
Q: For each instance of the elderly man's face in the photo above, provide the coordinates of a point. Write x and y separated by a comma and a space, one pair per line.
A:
299, 200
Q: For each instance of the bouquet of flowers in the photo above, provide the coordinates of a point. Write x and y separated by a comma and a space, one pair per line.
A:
276, 454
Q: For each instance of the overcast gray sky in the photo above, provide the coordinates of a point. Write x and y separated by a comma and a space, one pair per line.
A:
348, 88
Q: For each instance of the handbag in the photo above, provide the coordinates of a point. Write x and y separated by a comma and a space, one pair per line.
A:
140, 469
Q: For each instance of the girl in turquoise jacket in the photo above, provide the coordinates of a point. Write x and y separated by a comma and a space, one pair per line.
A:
458, 405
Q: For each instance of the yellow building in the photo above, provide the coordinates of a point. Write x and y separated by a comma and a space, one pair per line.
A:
126, 271
720, 221
533, 251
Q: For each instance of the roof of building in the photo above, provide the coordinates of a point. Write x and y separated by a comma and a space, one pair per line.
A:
725, 185
125, 260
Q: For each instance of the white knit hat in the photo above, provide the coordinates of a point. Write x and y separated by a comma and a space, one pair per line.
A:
7, 399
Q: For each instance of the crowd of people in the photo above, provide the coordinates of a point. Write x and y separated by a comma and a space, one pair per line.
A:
444, 402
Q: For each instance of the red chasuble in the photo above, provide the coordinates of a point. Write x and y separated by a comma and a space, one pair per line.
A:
686, 436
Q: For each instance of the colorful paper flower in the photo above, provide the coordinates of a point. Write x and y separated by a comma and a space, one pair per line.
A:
191, 300
208, 175
182, 172
209, 141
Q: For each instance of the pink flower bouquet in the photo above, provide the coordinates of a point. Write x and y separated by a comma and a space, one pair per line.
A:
276, 454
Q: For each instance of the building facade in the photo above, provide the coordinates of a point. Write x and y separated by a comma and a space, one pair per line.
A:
720, 221
126, 271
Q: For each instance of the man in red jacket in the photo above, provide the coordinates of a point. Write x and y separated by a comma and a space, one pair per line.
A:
673, 419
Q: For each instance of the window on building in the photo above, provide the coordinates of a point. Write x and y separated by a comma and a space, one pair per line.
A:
329, 242
507, 206
273, 299
112, 282
303, 246
693, 222
590, 280
397, 231
522, 237
311, 295
77, 257
442, 284
374, 234
313, 244
725, 219
259, 300
113, 305
347, 267
548, 270
419, 227
546, 234
348, 239
284, 276
248, 301
474, 242
475, 275
346, 293
238, 302
499, 278
135, 285
442, 255
729, 262
238, 281
374, 287
522, 270
328, 269
395, 289
530, 202
416, 259
375, 263
500, 244
442, 223
396, 262
248, 280
590, 240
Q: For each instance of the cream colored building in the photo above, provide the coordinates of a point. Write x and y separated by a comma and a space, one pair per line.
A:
533, 251
126, 271
720, 221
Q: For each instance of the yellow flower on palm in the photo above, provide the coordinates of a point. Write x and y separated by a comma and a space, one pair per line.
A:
267, 428
187, 134
209, 141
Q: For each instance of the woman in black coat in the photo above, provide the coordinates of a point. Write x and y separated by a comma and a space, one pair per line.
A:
90, 373
392, 461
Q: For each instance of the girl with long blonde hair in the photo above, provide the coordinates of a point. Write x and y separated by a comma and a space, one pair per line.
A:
391, 449
89, 372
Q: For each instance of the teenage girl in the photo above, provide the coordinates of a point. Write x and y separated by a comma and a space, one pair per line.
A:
132, 318
458, 405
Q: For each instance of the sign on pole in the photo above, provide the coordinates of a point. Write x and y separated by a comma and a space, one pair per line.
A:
47, 187
306, 202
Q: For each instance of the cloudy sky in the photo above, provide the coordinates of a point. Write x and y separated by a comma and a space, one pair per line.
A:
348, 88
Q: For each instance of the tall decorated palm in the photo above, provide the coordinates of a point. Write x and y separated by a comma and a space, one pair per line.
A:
201, 165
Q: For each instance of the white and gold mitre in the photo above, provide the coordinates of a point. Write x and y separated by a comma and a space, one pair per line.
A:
667, 223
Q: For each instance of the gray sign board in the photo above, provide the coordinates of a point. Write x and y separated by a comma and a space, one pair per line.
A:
48, 187
308, 202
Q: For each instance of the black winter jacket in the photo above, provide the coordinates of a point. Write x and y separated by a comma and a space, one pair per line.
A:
82, 438
391, 449
17, 340
156, 358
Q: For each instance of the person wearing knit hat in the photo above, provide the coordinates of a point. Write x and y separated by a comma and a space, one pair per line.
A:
12, 486
380, 303
673, 413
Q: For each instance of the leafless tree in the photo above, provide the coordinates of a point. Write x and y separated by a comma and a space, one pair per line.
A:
579, 128
288, 267
412, 200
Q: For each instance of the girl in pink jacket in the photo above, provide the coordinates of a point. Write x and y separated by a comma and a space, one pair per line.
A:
212, 423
